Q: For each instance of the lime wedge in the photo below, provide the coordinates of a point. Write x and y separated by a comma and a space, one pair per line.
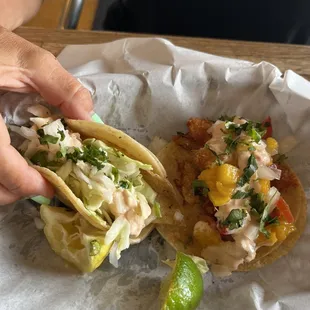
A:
73, 238
183, 289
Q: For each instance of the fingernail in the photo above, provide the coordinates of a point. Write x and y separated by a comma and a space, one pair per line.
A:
96, 118
41, 200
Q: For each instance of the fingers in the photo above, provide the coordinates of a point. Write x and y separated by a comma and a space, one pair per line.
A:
26, 67
17, 178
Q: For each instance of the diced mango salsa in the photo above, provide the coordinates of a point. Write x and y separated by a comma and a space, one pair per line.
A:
277, 233
205, 235
217, 199
263, 241
225, 190
227, 174
221, 181
272, 145
264, 186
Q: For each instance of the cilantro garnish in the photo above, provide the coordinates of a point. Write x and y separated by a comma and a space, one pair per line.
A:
271, 220
242, 195
235, 219
62, 135
254, 130
218, 161
45, 139
231, 143
248, 171
257, 204
200, 188
90, 154
124, 184
40, 159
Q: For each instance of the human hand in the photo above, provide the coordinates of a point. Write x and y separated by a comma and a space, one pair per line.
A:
25, 67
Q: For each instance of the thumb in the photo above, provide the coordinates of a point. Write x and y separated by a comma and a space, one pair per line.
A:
61, 89
27, 67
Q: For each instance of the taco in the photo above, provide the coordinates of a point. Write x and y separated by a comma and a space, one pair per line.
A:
101, 173
242, 206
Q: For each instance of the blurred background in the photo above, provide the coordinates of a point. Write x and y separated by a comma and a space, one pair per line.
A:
284, 21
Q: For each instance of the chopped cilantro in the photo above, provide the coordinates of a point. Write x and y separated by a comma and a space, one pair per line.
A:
40, 159
242, 195
45, 139
218, 161
235, 219
248, 171
200, 188
94, 248
271, 220
254, 130
90, 154
257, 204
62, 135
231, 143
124, 184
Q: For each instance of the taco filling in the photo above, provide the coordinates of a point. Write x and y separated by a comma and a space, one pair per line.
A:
234, 173
110, 184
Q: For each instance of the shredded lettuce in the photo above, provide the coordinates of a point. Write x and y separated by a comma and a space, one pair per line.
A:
119, 234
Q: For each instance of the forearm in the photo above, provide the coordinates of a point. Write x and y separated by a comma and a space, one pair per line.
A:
14, 13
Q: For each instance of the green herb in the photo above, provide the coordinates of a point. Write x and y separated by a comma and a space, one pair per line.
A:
235, 219
59, 155
124, 184
251, 148
157, 210
255, 130
242, 195
62, 135
94, 248
45, 139
200, 188
280, 158
115, 173
257, 204
40, 159
218, 161
271, 220
90, 154
264, 217
231, 143
248, 171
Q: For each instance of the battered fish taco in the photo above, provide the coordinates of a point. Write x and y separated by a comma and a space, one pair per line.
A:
242, 206
104, 175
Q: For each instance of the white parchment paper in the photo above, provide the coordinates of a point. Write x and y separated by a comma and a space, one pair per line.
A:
150, 87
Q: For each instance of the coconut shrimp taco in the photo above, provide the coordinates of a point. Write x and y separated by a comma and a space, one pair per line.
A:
242, 205
109, 181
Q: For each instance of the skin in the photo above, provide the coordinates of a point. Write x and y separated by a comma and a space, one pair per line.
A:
25, 67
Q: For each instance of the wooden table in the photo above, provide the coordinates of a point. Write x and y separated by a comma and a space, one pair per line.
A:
294, 57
